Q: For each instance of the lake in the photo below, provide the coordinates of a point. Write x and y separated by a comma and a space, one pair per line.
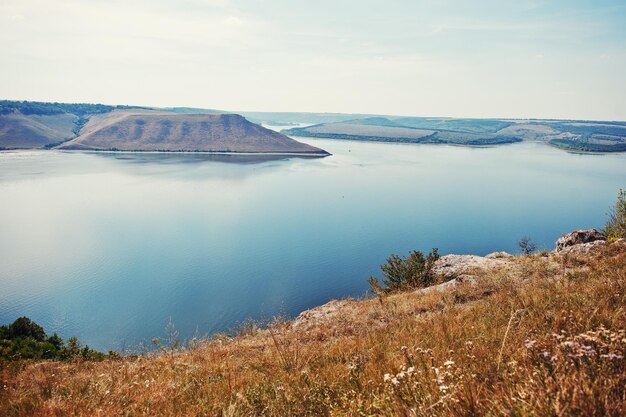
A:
110, 247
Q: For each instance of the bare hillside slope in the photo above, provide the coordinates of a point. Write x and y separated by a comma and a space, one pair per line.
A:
34, 131
144, 130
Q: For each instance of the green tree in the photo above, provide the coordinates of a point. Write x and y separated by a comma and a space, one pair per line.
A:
25, 327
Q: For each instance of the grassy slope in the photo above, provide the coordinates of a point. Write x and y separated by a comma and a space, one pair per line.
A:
144, 130
542, 337
34, 131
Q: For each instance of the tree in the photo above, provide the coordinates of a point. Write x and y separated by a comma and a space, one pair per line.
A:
24, 327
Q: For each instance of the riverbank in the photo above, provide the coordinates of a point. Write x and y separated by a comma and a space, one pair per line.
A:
526, 333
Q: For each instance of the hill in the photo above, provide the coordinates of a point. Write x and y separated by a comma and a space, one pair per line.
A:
586, 136
535, 335
146, 130
405, 130
33, 124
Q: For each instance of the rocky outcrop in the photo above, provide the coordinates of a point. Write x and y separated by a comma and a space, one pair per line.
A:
318, 314
580, 241
464, 266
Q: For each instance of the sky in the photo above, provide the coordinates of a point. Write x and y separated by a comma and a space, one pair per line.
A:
481, 58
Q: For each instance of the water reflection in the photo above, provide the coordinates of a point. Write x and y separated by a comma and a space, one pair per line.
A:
190, 158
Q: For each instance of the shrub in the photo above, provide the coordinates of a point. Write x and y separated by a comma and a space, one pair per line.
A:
527, 245
615, 227
25, 339
414, 271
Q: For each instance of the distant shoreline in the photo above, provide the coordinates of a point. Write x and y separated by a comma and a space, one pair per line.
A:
303, 154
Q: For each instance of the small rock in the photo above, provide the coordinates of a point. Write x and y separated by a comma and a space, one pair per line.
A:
578, 237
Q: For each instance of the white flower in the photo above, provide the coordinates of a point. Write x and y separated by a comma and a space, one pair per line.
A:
387, 377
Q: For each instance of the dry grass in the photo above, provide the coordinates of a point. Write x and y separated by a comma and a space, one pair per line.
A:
546, 338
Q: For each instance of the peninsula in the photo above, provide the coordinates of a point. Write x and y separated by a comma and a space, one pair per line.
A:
95, 127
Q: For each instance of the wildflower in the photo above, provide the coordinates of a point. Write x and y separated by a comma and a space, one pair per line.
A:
530, 344
612, 357
395, 381
448, 363
410, 370
386, 378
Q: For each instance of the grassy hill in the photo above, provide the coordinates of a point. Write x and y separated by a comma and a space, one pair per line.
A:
18, 130
147, 130
25, 124
537, 335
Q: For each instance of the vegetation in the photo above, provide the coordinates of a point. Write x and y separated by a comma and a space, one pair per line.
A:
615, 227
25, 339
587, 146
527, 245
402, 274
43, 108
478, 126
46, 108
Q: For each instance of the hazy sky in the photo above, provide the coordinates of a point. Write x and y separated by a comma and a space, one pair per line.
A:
482, 58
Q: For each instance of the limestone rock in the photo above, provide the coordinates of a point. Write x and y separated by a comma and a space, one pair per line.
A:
578, 237
451, 266
582, 247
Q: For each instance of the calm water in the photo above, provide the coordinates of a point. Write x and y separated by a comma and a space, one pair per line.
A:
110, 247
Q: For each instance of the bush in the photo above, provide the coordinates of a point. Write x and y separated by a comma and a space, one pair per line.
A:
25, 339
615, 227
400, 274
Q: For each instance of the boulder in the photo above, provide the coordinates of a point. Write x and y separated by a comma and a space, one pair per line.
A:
578, 237
464, 266
582, 248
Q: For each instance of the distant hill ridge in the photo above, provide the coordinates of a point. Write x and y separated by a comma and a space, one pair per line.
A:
27, 124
